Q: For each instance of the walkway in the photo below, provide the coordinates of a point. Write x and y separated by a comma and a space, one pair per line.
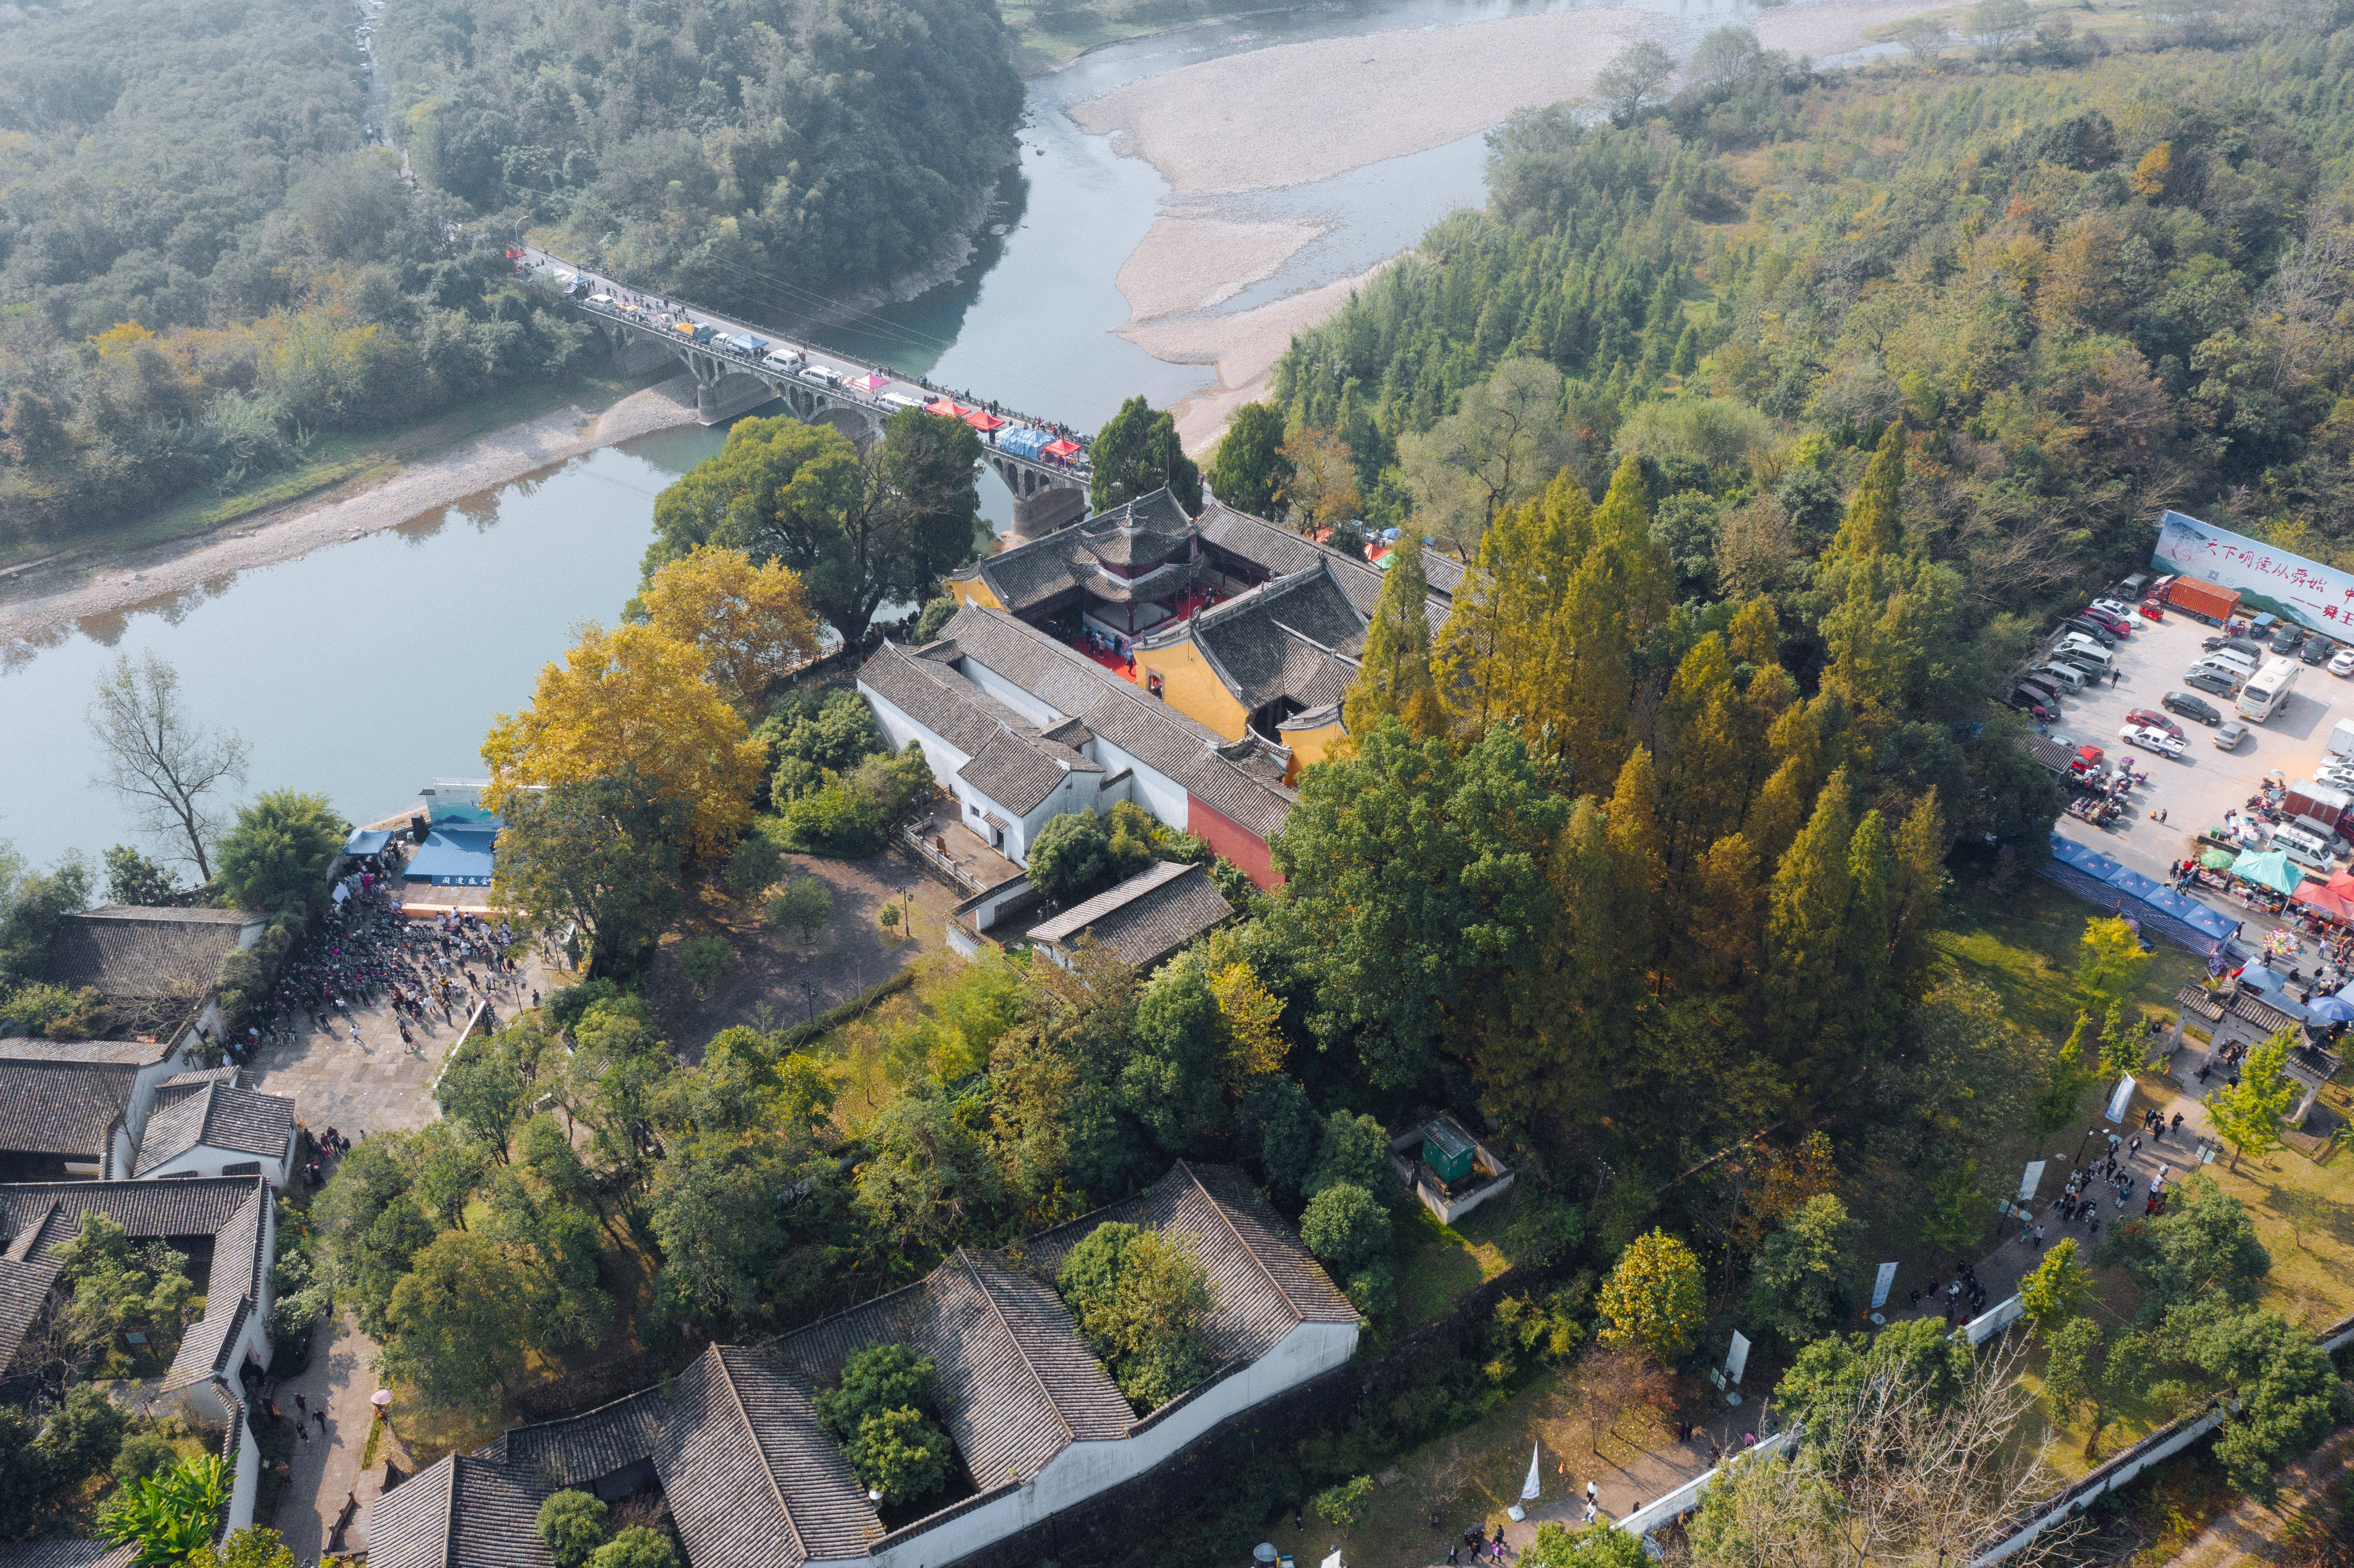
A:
2252, 1533
1621, 1488
326, 1468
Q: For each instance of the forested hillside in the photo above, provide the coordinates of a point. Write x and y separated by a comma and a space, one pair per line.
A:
2089, 290
714, 147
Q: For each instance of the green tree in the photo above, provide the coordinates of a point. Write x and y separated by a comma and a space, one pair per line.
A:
1136, 453
2286, 1387
1173, 1081
2056, 1289
1597, 1546
806, 904
926, 1173
1345, 1227
1800, 1290
1417, 893
168, 1517
861, 528
901, 1453
713, 1207
1634, 80
1829, 1377
1079, 854
454, 1316
1344, 1504
255, 1546
2091, 1373
1248, 471
131, 878
1394, 678
2109, 965
636, 1547
573, 1524
2123, 1049
2248, 1115
885, 1375
1143, 1302
601, 857
276, 857
1654, 1299
2204, 1245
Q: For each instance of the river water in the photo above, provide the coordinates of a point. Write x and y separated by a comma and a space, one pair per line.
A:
369, 667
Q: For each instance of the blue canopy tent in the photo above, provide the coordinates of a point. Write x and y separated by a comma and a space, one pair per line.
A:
454, 855
366, 841
2159, 909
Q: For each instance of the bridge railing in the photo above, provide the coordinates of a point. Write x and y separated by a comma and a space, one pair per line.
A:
640, 319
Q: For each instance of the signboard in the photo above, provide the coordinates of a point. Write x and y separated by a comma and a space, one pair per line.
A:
2030, 1178
2119, 1100
2317, 597
1881, 1285
1737, 1358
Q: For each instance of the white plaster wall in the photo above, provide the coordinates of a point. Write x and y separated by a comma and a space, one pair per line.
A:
1006, 692
124, 1153
142, 1087
204, 1160
1160, 795
899, 729
246, 1484
1084, 1469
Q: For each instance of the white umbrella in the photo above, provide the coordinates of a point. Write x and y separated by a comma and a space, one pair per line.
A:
1529, 1487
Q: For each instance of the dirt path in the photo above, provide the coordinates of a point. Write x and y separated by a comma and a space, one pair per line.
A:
2251, 1533
39, 602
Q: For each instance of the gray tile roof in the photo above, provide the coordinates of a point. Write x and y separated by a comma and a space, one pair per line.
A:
581, 1449
1019, 771
23, 1286
1264, 1282
1148, 531
211, 1114
122, 1053
128, 951
1145, 919
753, 1481
1243, 781
1279, 551
63, 1108
461, 1511
67, 1554
204, 1348
1296, 637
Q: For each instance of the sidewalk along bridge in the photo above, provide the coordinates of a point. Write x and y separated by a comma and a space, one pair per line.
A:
737, 367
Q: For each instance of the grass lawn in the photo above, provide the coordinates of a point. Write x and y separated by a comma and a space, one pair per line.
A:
1438, 1263
335, 459
2022, 941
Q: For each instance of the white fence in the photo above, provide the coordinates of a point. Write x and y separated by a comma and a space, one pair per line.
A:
1650, 1516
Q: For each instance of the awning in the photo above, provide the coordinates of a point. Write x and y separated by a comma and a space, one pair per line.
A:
2270, 869
1062, 449
2111, 887
2322, 902
366, 841
982, 419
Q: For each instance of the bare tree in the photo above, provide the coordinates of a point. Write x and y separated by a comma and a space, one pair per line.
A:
1636, 80
1898, 1475
1612, 1383
168, 767
1996, 26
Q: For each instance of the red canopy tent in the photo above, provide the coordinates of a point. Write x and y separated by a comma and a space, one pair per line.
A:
1062, 449
982, 419
2324, 903
871, 382
946, 409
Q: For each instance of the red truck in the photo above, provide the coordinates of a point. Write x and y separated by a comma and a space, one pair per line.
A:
2211, 604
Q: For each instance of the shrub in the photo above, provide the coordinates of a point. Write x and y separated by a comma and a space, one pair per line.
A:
703, 959
881, 1376
936, 615
1344, 1505
836, 820
53, 1013
1354, 1149
636, 1547
143, 1454
169, 1514
901, 1453
1142, 1299
574, 1525
1078, 854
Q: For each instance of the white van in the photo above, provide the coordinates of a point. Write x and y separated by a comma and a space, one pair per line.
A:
2310, 850
2077, 642
2234, 657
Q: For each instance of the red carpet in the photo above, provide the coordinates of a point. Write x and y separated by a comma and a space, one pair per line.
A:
1112, 661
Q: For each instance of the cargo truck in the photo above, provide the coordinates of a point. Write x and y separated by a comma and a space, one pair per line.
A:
2209, 603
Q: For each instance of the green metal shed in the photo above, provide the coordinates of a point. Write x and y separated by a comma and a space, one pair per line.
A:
1446, 1150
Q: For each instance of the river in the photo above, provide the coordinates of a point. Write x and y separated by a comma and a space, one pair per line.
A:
369, 667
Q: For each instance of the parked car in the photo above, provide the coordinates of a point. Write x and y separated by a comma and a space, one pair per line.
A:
2070, 678
2214, 681
2150, 739
2235, 644
2118, 625
2119, 607
2032, 703
2084, 627
2228, 736
2317, 651
2042, 685
2287, 640
2154, 720
2190, 707
2342, 664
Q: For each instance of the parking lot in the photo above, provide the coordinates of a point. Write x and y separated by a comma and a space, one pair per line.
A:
2197, 788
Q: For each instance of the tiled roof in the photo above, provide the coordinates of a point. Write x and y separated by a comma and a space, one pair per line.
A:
1264, 1282
1295, 637
1281, 552
62, 1106
1149, 530
204, 1348
1018, 771
122, 1053
128, 951
1243, 781
230, 1076
23, 1286
753, 1481
460, 1511
67, 1554
211, 1114
1145, 919
580, 1449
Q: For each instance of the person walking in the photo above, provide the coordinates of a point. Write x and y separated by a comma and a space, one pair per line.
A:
2038, 1238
